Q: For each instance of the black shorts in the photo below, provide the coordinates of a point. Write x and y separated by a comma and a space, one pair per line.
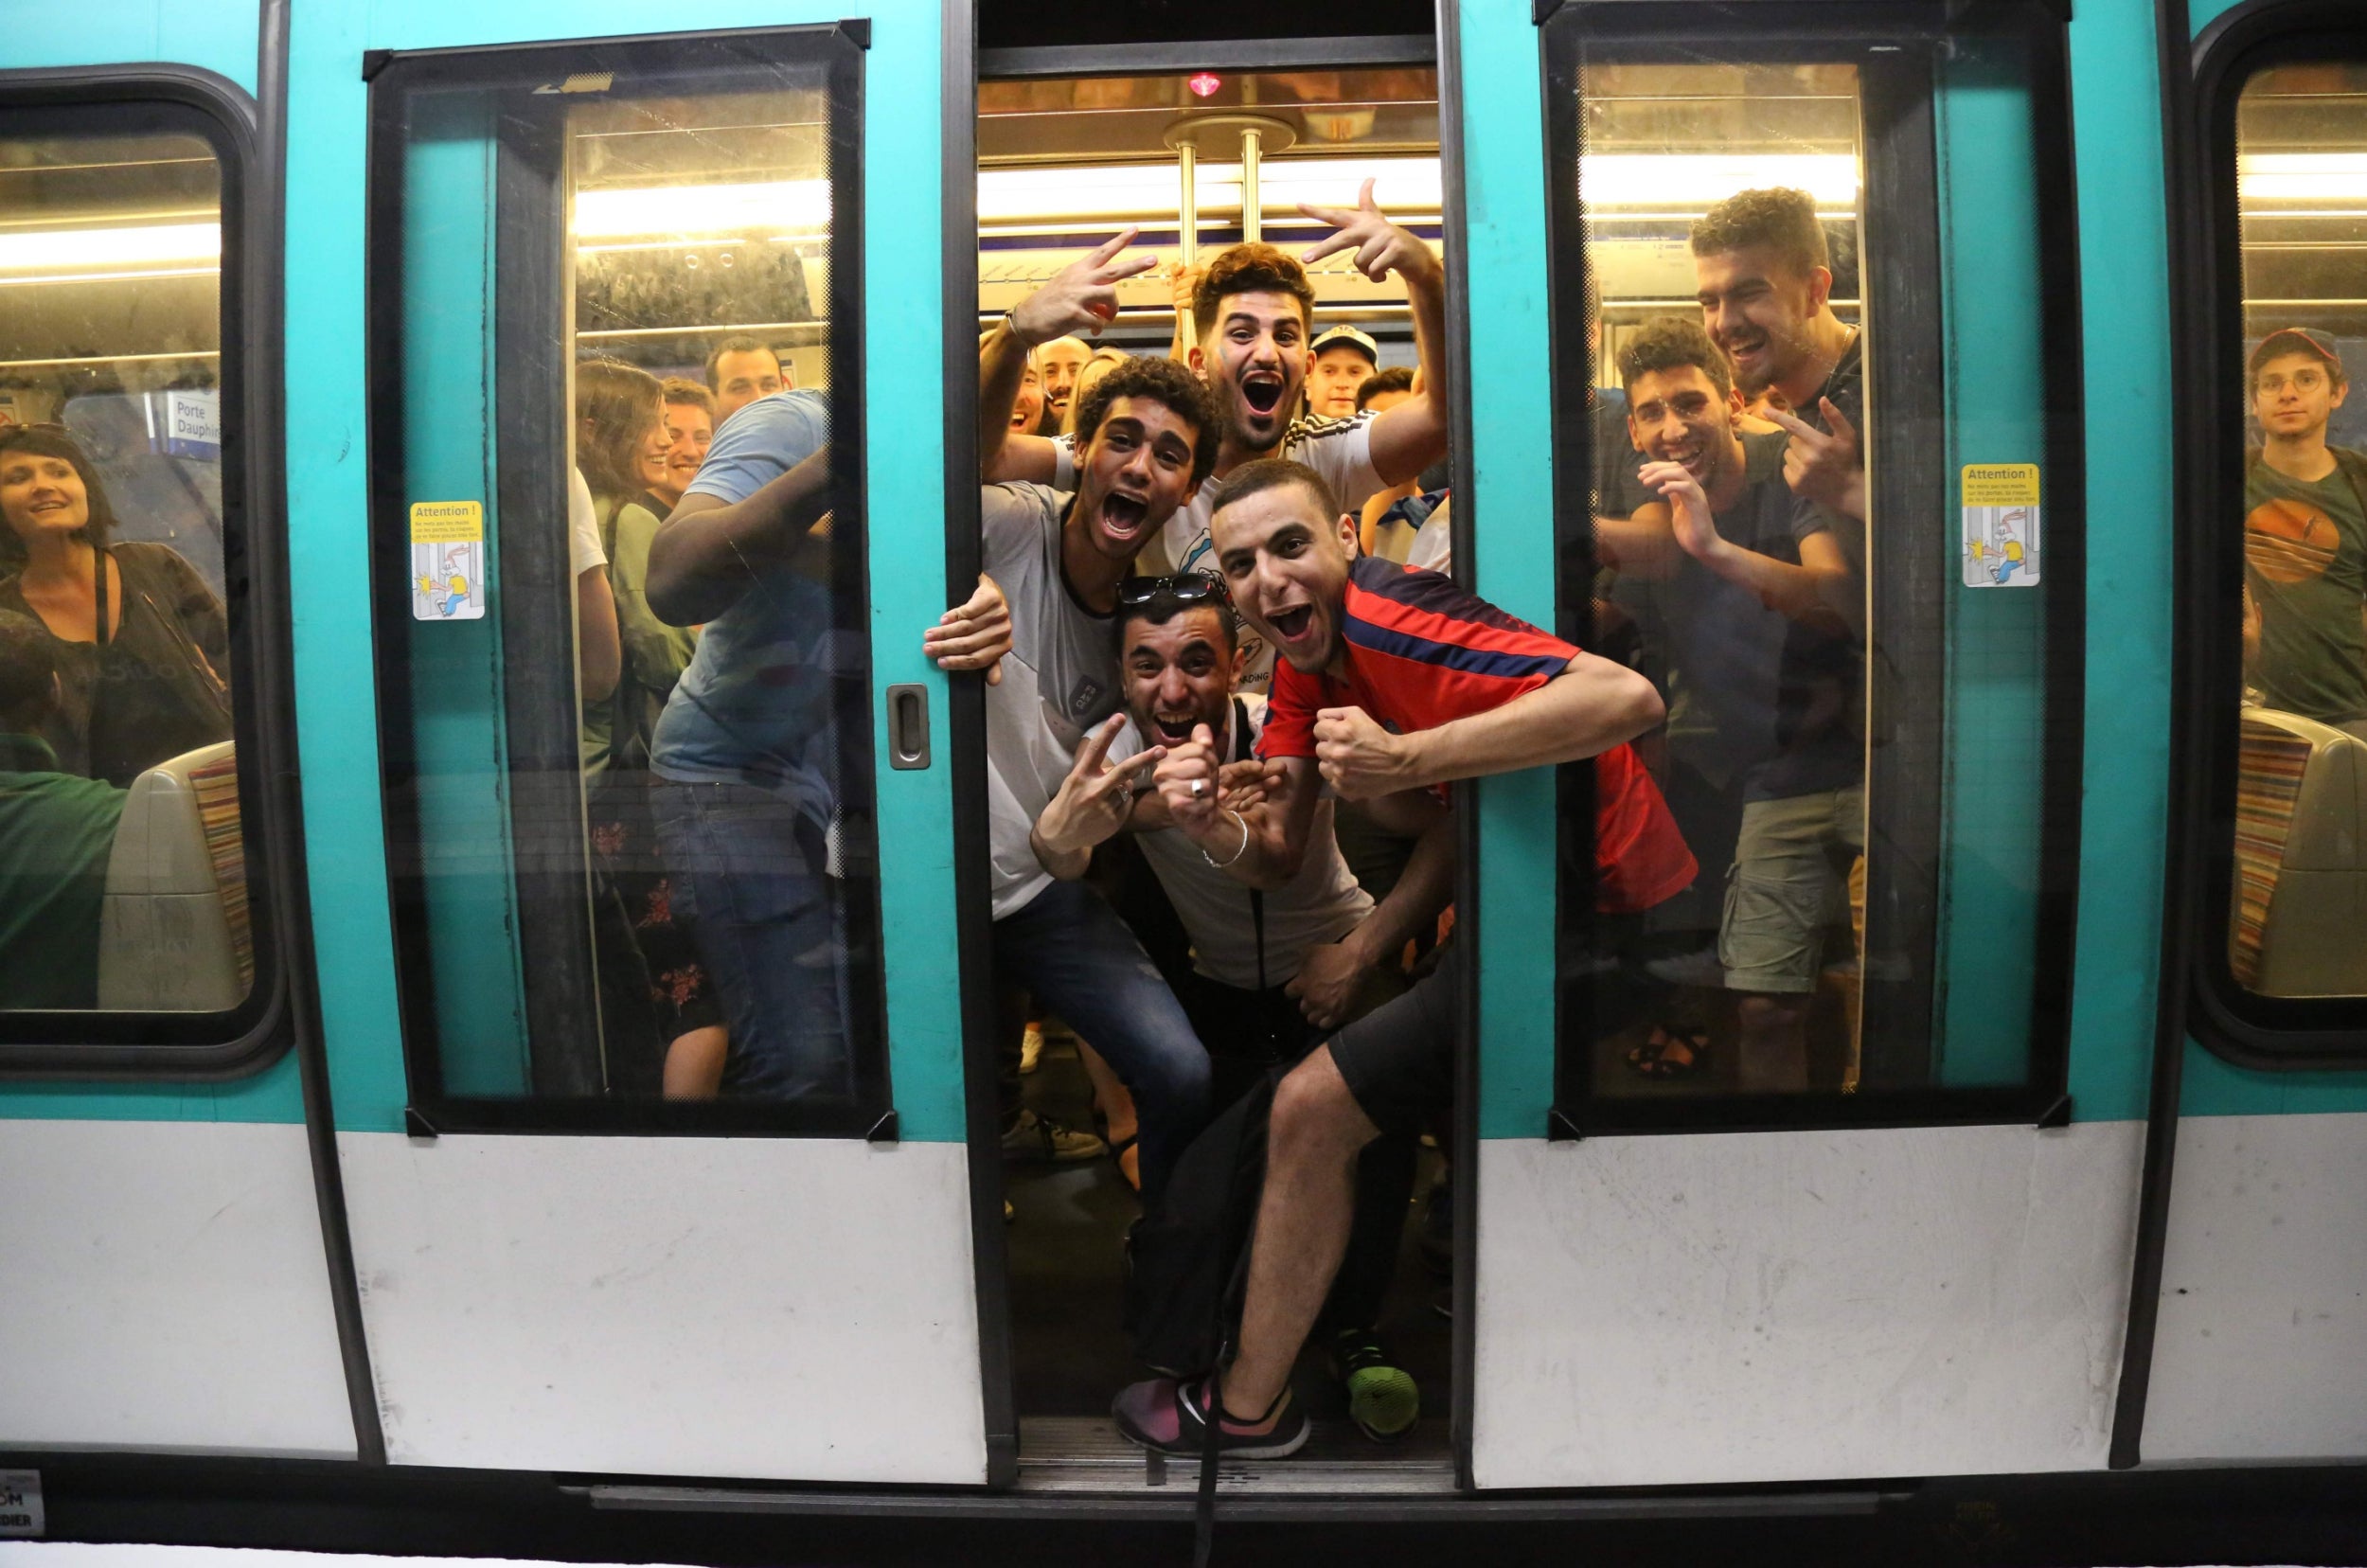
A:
1398, 1059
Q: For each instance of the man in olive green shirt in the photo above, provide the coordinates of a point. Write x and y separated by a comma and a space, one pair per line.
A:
56, 833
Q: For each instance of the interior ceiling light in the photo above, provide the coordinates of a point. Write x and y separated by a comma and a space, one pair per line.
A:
1152, 193
151, 244
1697, 179
2301, 176
796, 206
1206, 84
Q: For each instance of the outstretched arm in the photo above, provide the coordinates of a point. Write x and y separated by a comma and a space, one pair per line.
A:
1411, 436
1082, 298
1590, 706
705, 554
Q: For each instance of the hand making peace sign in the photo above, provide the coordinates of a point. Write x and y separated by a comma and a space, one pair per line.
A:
1095, 798
1082, 298
1381, 247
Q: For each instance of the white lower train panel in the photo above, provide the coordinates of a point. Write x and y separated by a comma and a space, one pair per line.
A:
774, 1308
1801, 1305
163, 1287
2260, 1351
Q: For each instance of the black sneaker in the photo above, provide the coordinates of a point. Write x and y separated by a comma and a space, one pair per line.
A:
1042, 1141
1383, 1399
1170, 1416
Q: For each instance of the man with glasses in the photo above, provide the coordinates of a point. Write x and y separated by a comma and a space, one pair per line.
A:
1279, 962
2304, 537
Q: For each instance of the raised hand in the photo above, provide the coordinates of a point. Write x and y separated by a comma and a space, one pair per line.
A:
1689, 516
972, 635
1241, 786
1825, 469
1093, 801
1357, 757
1190, 781
1381, 247
1082, 296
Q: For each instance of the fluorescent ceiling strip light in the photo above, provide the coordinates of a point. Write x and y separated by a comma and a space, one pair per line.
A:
1116, 191
51, 250
2301, 176
801, 206
1697, 179
8, 282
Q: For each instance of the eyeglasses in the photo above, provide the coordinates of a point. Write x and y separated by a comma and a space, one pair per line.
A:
1183, 588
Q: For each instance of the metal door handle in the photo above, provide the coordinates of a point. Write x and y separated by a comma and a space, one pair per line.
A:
908, 726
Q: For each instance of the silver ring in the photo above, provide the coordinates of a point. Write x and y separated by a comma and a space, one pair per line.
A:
1199, 787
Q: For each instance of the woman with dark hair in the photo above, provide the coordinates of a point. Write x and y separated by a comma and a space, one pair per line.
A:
619, 432
144, 648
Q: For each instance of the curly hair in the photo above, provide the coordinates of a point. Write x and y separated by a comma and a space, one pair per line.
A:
1777, 217
1250, 269
1164, 382
53, 441
1671, 343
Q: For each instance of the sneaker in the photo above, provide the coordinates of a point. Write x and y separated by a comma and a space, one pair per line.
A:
1383, 1398
1167, 1416
1031, 1048
1044, 1141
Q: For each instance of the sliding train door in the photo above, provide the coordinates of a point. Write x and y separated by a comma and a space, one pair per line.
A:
645, 1043
1826, 1166
163, 1283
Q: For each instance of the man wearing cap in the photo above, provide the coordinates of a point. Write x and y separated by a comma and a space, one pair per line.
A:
1344, 357
2306, 535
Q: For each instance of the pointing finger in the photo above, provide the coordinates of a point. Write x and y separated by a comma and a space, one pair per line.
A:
1364, 199
1842, 429
1110, 247
1795, 424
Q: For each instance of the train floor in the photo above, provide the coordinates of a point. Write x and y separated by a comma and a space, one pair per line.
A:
1070, 1357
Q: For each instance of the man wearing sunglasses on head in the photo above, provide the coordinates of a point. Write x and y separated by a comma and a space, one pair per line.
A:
1276, 962
1147, 436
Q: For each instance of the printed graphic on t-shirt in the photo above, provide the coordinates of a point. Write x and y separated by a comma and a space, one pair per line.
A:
2287, 539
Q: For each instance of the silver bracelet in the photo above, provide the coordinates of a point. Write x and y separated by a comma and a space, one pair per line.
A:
1238, 852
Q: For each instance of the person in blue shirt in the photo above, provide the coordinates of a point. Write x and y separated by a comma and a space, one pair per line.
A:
761, 790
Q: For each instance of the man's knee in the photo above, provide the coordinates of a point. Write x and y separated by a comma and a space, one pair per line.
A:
1313, 1111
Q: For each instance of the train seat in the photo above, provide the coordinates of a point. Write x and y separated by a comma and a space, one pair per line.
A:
2300, 836
174, 932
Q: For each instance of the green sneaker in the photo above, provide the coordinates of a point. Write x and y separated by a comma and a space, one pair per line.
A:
1382, 1397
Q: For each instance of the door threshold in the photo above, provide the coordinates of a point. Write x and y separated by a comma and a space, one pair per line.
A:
1069, 1455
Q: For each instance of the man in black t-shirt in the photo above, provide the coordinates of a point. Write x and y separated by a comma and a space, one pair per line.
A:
1766, 282
2304, 536
1763, 603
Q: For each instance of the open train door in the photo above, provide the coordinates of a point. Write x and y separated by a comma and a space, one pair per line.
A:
563, 1265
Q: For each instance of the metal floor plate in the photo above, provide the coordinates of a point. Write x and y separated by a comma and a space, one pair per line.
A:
1085, 1454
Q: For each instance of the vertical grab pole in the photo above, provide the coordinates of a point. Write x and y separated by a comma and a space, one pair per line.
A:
1187, 226
1252, 204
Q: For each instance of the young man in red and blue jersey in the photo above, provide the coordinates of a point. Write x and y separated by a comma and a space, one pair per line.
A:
1390, 684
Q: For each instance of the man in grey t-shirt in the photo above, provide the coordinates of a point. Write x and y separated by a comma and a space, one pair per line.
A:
1147, 436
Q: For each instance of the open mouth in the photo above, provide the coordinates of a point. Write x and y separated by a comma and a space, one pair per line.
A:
1692, 454
1291, 625
1122, 515
1173, 730
1262, 391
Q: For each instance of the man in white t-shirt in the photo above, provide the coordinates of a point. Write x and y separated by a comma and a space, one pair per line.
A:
1254, 309
1274, 967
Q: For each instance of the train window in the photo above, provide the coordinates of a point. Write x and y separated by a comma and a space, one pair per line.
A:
2277, 945
134, 929
1819, 478
628, 786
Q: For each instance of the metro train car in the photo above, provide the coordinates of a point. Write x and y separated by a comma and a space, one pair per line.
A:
381, 1155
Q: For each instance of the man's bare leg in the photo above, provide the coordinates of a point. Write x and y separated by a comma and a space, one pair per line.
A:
1774, 1055
1313, 1137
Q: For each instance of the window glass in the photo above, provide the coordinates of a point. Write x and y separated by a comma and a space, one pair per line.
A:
1819, 454
642, 863
2298, 888
123, 870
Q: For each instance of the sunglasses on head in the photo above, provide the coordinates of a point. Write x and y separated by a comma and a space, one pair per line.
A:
1183, 587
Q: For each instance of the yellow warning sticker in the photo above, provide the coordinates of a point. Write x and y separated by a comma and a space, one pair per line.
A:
2000, 525
448, 521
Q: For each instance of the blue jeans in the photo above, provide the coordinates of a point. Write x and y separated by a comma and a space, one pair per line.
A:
1071, 950
749, 876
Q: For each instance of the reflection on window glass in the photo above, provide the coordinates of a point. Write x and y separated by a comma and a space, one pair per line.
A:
2301, 873
1836, 582
647, 871
122, 872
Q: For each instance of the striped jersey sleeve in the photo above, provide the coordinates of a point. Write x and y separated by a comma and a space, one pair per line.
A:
1430, 652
